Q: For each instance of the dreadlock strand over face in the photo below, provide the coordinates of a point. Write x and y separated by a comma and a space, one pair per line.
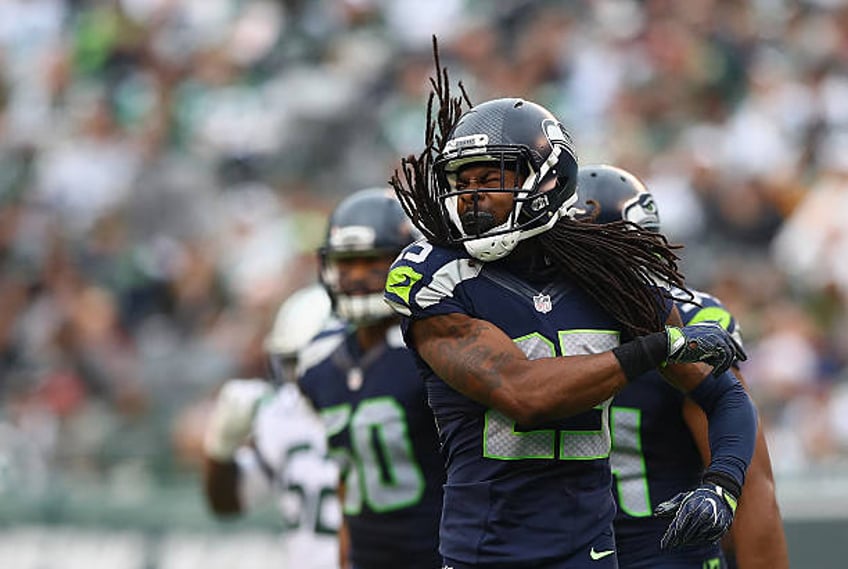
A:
619, 265
413, 184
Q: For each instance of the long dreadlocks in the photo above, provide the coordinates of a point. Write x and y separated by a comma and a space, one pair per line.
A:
618, 264
413, 185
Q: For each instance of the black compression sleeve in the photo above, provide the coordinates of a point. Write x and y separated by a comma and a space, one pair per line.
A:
642, 354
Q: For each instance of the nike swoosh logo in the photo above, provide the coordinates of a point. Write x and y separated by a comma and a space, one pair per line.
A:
595, 555
715, 509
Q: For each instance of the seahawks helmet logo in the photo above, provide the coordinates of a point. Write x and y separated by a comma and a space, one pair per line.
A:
642, 211
555, 132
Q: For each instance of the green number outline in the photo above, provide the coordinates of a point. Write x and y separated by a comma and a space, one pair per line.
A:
363, 482
497, 426
615, 413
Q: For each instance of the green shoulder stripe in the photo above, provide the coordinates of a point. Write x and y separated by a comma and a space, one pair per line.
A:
712, 314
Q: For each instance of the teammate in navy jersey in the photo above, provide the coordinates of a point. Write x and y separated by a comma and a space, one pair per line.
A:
364, 383
503, 285
658, 435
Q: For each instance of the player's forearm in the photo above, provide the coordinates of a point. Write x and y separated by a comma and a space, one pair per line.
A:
220, 485
757, 533
480, 362
732, 425
554, 388
758, 538
542, 390
531, 392
477, 359
559, 387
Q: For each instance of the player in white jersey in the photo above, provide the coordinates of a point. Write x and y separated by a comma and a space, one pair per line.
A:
262, 443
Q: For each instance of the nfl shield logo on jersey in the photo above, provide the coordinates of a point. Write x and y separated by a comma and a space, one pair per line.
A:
542, 302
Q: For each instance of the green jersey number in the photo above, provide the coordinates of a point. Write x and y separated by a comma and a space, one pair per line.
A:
502, 440
381, 470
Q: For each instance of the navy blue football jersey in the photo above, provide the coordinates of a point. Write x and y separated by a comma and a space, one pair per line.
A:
514, 496
381, 430
654, 457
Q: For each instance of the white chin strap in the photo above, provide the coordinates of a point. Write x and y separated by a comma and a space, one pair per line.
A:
493, 248
364, 309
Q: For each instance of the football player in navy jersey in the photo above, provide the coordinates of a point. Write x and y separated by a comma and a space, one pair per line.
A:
505, 283
364, 382
659, 445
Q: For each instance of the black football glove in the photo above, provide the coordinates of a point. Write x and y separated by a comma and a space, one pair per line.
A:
701, 516
706, 342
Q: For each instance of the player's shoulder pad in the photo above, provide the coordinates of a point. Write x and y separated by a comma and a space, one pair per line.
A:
320, 347
423, 274
708, 309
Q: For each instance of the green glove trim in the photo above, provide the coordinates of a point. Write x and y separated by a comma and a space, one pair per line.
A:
676, 340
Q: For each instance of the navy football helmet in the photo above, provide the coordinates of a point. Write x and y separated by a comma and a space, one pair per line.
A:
368, 223
606, 193
518, 135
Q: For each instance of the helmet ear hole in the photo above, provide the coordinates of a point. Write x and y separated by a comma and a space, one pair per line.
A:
593, 210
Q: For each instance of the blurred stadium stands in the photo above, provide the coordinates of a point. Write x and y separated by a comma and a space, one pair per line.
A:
166, 167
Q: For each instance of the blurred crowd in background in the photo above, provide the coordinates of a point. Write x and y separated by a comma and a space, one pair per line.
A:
166, 168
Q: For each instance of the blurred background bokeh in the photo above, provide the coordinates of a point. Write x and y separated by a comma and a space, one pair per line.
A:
166, 167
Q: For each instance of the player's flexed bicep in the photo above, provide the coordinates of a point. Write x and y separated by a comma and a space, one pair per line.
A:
471, 355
